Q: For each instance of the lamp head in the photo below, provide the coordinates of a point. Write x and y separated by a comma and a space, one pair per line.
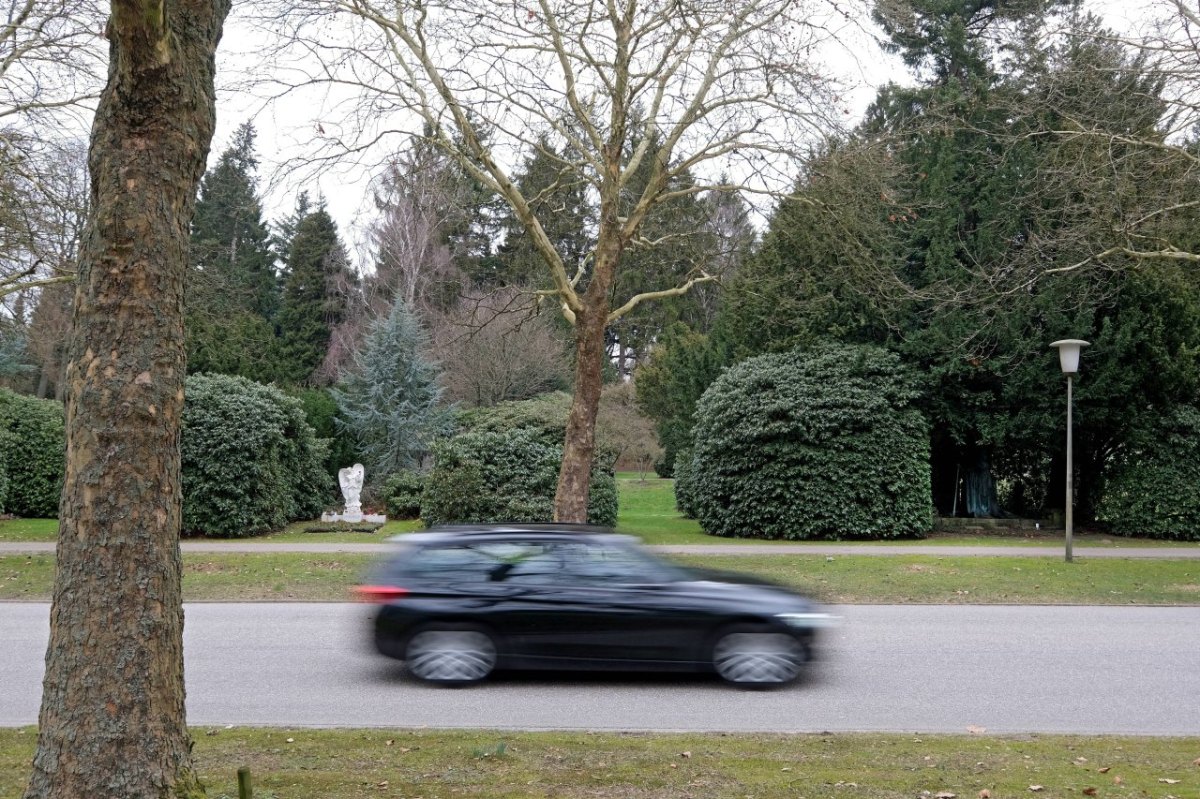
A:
1068, 354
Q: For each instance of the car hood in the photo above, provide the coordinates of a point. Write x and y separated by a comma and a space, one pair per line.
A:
746, 592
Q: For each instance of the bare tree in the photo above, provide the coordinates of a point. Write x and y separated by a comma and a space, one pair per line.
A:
420, 203
685, 86
112, 719
495, 348
51, 71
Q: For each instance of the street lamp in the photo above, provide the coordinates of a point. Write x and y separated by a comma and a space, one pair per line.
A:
1068, 359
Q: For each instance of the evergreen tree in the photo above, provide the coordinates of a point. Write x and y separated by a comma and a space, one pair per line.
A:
315, 293
390, 401
947, 232
232, 289
676, 242
560, 200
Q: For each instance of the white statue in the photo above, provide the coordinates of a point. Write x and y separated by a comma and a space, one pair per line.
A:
351, 481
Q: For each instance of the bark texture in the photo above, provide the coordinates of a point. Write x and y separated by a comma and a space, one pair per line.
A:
112, 720
579, 443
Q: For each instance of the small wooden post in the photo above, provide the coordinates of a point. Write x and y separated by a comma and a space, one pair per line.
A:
244, 790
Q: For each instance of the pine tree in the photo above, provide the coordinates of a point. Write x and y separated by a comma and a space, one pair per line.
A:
318, 277
560, 201
390, 401
232, 288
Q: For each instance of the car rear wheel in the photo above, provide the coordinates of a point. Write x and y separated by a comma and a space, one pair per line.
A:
451, 655
755, 657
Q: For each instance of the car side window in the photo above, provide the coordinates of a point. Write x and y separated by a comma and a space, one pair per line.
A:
474, 562
595, 563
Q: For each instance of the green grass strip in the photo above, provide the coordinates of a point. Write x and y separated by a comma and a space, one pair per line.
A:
362, 764
843, 579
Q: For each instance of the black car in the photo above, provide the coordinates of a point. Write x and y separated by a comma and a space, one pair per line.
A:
457, 603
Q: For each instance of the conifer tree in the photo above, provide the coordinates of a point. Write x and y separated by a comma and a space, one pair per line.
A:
390, 400
318, 277
232, 288
560, 199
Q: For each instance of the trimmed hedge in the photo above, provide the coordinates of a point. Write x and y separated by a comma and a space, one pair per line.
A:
1154, 491
486, 476
818, 444
251, 462
36, 454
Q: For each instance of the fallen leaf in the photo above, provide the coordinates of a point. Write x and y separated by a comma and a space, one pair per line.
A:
389, 743
1037, 787
1168, 780
291, 740
786, 768
383, 784
685, 754
674, 765
1081, 760
1105, 769
1089, 791
945, 795
976, 730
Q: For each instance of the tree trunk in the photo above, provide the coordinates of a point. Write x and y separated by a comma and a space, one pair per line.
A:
112, 720
579, 445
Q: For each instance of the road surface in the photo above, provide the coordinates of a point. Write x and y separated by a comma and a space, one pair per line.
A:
1007, 669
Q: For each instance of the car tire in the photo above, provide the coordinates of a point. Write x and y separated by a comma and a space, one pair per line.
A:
757, 657
451, 654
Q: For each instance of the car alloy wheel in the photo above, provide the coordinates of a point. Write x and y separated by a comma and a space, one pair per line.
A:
451, 656
758, 658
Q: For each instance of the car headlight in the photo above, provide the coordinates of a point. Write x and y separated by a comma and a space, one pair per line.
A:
807, 619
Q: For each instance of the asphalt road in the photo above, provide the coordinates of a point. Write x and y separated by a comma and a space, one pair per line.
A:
1006, 669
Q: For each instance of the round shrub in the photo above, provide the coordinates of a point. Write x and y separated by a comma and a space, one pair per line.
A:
36, 453
486, 476
817, 444
251, 463
1154, 490
402, 492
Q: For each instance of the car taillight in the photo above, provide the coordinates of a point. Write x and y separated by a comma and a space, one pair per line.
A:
379, 593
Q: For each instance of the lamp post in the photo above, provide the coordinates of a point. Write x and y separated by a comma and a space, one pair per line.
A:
1068, 359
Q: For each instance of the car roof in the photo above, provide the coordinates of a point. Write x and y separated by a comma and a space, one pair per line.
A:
479, 532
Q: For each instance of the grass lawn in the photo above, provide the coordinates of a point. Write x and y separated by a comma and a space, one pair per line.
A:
357, 764
647, 510
844, 579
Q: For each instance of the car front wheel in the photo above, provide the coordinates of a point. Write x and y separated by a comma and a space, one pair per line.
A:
753, 657
451, 655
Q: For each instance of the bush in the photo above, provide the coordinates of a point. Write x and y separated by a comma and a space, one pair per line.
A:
1154, 490
5, 443
402, 492
810, 445
685, 484
251, 463
36, 453
485, 476
321, 413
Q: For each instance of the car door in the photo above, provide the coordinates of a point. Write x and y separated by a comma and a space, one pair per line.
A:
600, 603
